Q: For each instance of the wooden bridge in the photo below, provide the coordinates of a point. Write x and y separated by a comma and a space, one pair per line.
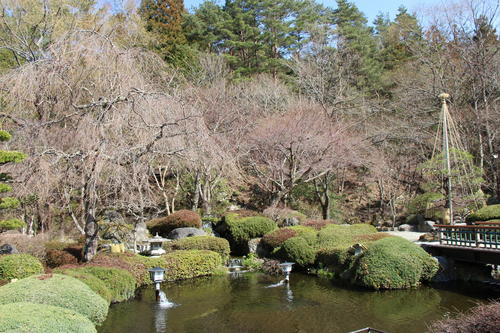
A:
478, 243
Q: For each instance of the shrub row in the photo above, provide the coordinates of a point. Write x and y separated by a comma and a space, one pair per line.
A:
56, 290
215, 244
25, 317
486, 213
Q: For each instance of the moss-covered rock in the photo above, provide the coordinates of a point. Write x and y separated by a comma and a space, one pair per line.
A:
216, 244
394, 263
179, 219
486, 213
41, 318
19, 266
57, 290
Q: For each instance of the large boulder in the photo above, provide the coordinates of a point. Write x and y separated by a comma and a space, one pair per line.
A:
8, 249
257, 247
180, 233
426, 226
406, 227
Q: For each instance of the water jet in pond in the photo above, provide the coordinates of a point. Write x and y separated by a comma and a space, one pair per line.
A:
164, 302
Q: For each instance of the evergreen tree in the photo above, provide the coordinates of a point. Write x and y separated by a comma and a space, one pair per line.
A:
400, 39
8, 203
356, 40
254, 35
164, 19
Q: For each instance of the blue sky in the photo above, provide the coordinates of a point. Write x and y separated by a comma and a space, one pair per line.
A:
369, 7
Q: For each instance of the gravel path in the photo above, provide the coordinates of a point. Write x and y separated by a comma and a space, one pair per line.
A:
409, 235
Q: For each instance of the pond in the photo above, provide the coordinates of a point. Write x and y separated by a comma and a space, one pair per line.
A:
309, 304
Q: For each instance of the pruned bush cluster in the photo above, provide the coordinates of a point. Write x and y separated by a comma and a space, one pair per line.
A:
57, 290
19, 266
215, 244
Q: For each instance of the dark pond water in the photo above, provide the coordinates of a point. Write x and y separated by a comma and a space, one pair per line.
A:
244, 304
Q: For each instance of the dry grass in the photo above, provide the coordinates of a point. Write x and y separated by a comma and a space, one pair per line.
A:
34, 245
483, 318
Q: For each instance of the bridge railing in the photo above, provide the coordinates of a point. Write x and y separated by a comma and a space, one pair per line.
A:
483, 236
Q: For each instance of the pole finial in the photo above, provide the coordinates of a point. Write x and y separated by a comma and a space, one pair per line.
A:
444, 97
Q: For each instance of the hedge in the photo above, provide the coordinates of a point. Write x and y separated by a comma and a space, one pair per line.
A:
94, 283
37, 318
297, 250
133, 263
58, 290
394, 263
120, 283
179, 219
216, 244
486, 213
19, 266
334, 241
186, 264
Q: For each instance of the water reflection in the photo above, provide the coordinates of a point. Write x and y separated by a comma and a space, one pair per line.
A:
225, 305
160, 319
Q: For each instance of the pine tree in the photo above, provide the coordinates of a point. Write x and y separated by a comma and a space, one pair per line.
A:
356, 40
8, 203
164, 19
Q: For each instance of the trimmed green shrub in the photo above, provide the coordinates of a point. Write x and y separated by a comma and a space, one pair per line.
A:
37, 318
308, 233
394, 263
334, 242
297, 250
94, 283
241, 230
11, 224
120, 283
486, 213
58, 290
19, 266
342, 235
132, 263
186, 264
216, 244
179, 219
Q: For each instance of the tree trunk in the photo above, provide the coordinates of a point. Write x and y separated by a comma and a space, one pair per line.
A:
196, 192
325, 208
91, 232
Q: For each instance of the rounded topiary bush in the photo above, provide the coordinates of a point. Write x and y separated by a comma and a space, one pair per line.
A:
119, 282
284, 216
57, 290
182, 264
94, 283
41, 318
216, 244
297, 249
239, 230
179, 219
486, 213
394, 263
317, 224
19, 266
